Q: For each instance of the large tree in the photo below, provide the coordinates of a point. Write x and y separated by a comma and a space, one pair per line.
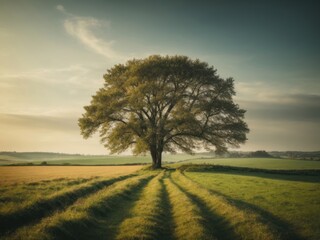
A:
165, 104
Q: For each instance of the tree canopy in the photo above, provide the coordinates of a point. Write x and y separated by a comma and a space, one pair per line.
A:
165, 103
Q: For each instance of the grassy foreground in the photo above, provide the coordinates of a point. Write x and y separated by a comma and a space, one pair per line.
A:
165, 204
290, 201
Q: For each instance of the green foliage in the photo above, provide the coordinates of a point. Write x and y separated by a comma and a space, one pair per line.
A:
163, 104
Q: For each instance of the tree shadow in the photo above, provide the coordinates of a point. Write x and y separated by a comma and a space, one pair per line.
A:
166, 217
287, 230
276, 176
217, 226
311, 175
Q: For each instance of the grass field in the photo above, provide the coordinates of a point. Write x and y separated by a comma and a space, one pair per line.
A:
266, 163
293, 202
18, 174
164, 204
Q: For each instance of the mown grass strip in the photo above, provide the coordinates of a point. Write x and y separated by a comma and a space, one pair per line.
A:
188, 223
145, 219
41, 207
245, 223
21, 195
76, 221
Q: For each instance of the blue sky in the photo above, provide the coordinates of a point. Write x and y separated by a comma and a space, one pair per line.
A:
54, 53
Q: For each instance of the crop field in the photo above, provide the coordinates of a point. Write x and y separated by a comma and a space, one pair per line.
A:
165, 204
18, 174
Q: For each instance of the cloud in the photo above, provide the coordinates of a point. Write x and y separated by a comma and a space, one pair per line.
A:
44, 122
82, 28
60, 8
45, 89
270, 103
271, 134
73, 76
45, 133
286, 107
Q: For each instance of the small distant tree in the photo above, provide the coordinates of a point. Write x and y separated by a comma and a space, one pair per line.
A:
261, 154
165, 104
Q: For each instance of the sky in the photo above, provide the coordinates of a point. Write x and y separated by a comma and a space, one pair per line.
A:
53, 55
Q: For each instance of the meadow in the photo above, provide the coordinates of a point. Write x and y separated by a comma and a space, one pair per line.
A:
18, 174
178, 202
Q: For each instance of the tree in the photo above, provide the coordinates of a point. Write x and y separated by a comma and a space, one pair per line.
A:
165, 104
260, 154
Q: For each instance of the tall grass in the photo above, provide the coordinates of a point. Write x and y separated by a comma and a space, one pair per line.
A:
77, 219
144, 221
245, 223
19, 196
38, 207
188, 222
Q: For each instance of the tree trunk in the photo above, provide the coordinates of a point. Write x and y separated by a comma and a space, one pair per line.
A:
156, 155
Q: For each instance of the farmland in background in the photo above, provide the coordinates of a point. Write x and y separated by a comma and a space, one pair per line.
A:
7, 158
37, 158
17, 174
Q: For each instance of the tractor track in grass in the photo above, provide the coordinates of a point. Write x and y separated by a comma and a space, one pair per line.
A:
216, 225
153, 205
246, 223
145, 218
80, 220
45, 206
188, 221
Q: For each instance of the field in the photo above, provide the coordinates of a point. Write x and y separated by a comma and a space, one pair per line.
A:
18, 174
266, 163
186, 202
7, 158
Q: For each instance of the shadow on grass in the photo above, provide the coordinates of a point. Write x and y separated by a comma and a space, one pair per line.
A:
166, 231
286, 229
44, 207
311, 175
217, 226
103, 223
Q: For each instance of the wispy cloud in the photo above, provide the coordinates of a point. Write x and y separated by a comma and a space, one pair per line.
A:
44, 133
83, 28
73, 76
46, 90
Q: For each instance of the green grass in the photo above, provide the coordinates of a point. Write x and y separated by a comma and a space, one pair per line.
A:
145, 219
291, 201
76, 221
39, 205
244, 223
266, 163
19, 196
187, 220
225, 203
